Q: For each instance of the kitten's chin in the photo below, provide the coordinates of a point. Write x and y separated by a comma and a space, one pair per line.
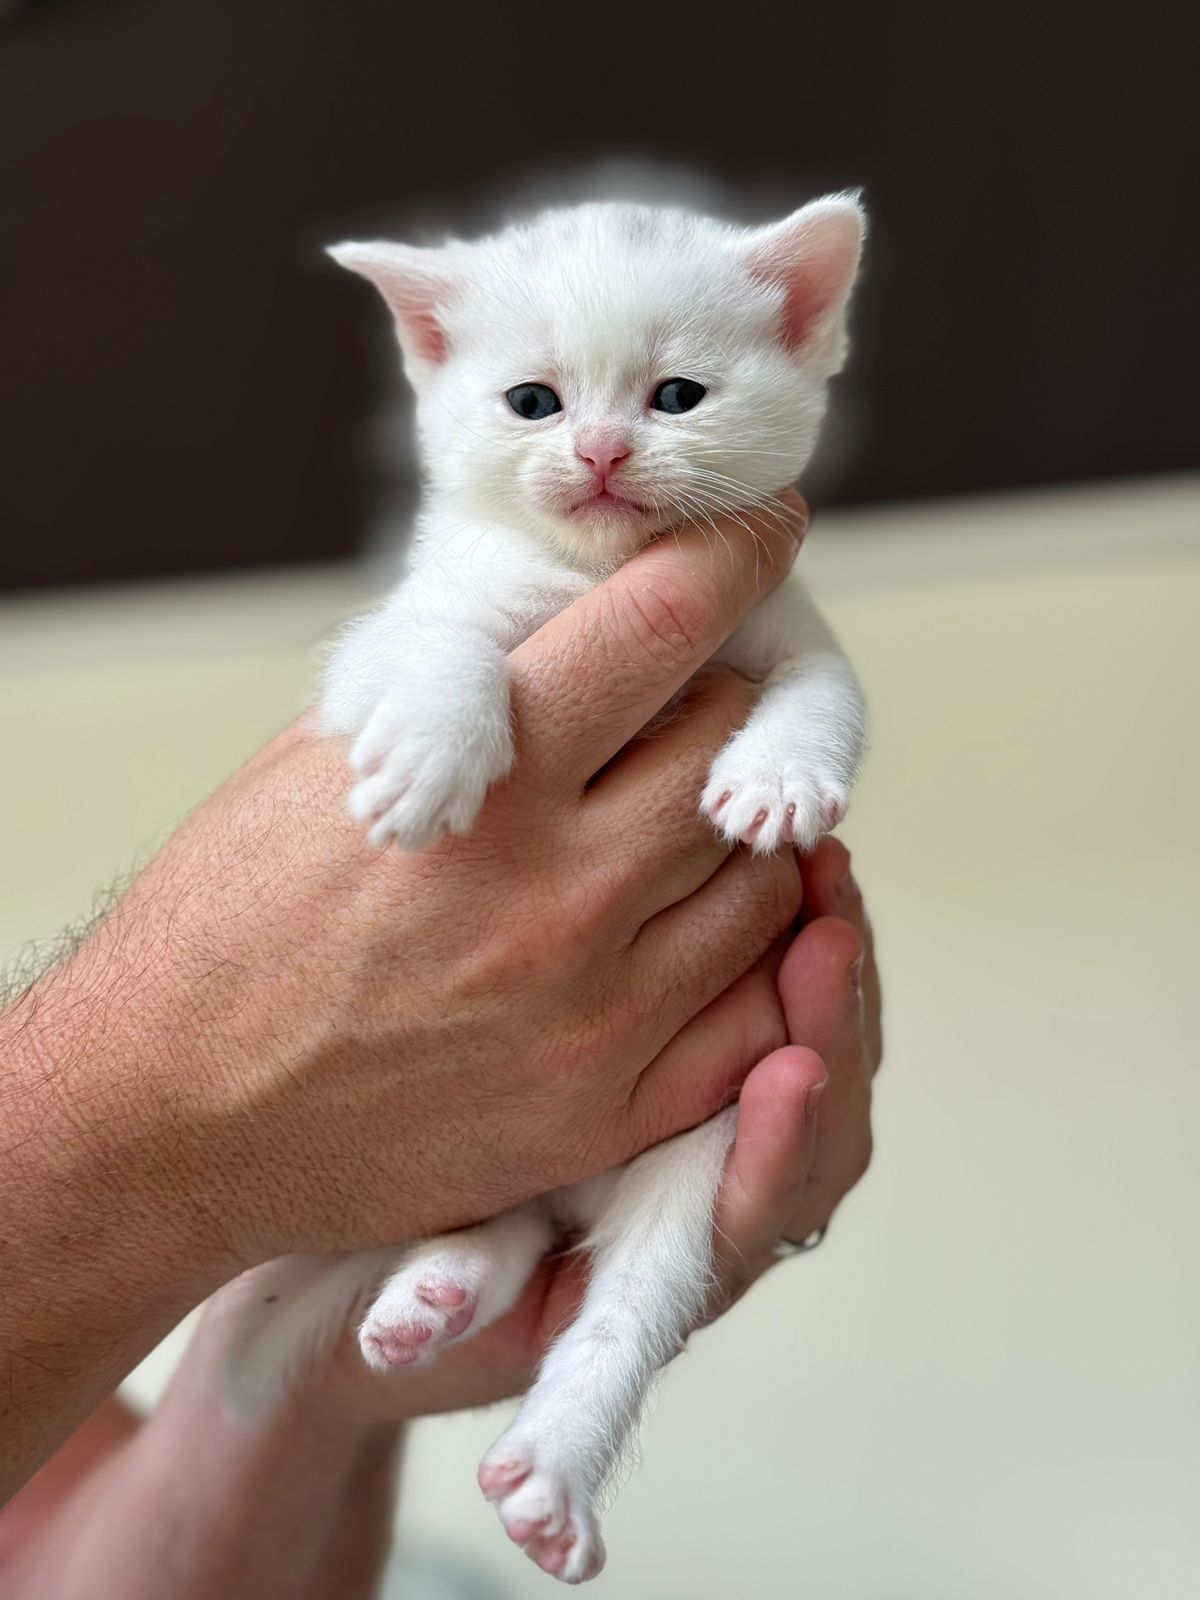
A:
603, 529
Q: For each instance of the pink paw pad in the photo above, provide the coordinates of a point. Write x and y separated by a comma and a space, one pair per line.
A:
415, 1325
545, 1507
442, 1294
400, 1347
551, 1554
500, 1478
521, 1532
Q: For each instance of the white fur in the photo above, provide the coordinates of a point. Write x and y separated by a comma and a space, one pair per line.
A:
601, 304
651, 1272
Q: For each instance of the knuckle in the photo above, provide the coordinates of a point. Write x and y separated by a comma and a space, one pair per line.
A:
563, 938
581, 906
670, 621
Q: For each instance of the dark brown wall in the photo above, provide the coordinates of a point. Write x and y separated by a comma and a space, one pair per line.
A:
187, 383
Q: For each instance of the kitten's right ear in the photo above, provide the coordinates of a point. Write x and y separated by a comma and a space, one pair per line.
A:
416, 285
812, 256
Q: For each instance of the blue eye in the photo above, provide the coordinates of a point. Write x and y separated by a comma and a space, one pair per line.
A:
678, 394
533, 401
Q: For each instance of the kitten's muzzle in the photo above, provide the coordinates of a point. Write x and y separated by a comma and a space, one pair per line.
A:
606, 500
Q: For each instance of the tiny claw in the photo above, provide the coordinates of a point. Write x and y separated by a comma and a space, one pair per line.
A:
752, 831
832, 810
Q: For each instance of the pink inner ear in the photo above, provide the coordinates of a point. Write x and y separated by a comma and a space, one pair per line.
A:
808, 304
415, 285
416, 299
814, 260
425, 333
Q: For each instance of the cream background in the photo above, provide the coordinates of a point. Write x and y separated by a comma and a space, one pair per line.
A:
985, 1384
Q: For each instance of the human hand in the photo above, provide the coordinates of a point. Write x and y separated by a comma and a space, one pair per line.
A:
315, 1045
791, 1165
323, 1462
789, 1171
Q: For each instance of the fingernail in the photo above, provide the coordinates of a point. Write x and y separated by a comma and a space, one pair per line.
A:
811, 1095
847, 885
856, 969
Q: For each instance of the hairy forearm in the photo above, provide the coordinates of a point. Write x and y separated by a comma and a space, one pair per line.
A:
203, 1505
101, 1252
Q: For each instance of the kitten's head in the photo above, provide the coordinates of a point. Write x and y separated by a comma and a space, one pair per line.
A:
598, 375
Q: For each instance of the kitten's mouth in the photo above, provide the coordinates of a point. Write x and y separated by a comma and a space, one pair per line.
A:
605, 501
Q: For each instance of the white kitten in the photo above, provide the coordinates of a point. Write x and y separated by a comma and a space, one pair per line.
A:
584, 383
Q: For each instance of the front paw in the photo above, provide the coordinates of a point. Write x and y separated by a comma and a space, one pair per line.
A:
420, 775
770, 799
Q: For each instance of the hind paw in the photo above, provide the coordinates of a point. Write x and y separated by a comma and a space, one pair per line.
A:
546, 1508
414, 1318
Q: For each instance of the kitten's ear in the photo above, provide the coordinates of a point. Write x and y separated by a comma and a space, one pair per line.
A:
813, 257
417, 285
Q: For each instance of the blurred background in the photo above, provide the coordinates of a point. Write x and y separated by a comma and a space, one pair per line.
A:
984, 1385
192, 382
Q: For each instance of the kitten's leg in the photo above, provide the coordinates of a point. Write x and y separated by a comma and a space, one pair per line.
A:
650, 1277
453, 1286
786, 777
427, 700
422, 686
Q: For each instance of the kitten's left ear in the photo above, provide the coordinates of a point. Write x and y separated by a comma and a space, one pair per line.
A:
813, 257
417, 284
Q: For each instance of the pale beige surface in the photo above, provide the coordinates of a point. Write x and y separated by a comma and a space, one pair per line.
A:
984, 1386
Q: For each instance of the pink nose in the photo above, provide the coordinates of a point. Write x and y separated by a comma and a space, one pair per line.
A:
602, 459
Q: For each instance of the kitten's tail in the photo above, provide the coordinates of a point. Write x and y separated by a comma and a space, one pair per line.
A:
291, 1315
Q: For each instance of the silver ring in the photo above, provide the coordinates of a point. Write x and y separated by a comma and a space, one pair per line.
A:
788, 1247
